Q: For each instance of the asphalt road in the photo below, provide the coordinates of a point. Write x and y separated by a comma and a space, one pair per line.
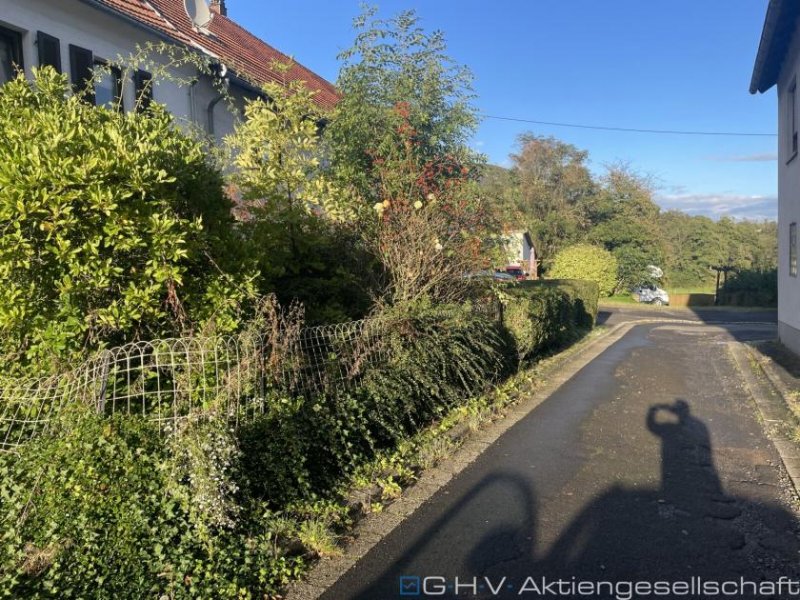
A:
613, 314
649, 465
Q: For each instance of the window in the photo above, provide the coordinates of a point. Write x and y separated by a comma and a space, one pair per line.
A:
791, 119
10, 54
793, 249
49, 51
107, 85
81, 63
143, 84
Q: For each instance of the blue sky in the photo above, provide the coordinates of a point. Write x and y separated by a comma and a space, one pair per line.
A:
662, 64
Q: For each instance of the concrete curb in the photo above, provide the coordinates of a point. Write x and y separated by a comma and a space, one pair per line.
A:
769, 394
373, 528
767, 366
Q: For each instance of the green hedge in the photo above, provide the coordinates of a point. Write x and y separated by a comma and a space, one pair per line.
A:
120, 511
545, 314
587, 262
750, 288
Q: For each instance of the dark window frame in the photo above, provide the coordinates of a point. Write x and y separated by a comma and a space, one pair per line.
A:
791, 120
143, 85
14, 40
116, 73
42, 39
82, 59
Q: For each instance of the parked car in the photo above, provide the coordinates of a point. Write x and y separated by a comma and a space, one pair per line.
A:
489, 274
651, 294
516, 272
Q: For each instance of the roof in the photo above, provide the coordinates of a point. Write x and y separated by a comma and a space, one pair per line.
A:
776, 37
240, 50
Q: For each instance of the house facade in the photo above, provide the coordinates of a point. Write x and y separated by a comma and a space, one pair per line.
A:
778, 65
75, 35
521, 252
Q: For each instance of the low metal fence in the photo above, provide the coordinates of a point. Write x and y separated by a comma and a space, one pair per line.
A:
166, 379
235, 375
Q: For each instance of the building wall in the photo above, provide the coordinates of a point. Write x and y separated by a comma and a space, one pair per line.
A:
788, 201
110, 37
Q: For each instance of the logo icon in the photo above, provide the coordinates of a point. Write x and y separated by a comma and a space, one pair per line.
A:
409, 586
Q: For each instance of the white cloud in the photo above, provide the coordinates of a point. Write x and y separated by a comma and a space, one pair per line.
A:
762, 157
737, 206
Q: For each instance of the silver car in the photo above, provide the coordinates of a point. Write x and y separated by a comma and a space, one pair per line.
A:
651, 294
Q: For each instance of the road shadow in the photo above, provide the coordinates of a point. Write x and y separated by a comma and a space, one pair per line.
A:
744, 325
782, 356
687, 527
603, 315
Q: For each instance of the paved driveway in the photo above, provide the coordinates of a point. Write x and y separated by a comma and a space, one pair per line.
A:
649, 465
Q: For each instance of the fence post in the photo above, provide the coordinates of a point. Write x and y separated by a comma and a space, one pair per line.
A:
101, 400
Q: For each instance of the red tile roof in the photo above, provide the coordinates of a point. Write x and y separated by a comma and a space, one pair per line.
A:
239, 49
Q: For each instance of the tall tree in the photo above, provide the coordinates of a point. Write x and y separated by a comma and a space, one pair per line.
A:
553, 186
625, 220
403, 98
398, 142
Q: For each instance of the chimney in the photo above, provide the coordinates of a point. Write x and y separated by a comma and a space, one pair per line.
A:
218, 6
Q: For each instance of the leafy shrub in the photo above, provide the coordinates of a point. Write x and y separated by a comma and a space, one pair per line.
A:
298, 225
586, 262
750, 288
302, 447
114, 226
399, 89
110, 508
546, 314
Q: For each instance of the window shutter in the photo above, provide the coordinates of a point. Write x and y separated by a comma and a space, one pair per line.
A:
81, 65
10, 54
143, 83
49, 51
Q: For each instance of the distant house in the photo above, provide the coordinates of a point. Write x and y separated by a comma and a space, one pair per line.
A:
75, 35
778, 64
521, 252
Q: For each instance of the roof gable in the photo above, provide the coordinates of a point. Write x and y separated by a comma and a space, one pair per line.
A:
779, 27
239, 49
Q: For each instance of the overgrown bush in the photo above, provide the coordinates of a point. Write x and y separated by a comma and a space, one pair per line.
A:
587, 262
298, 225
402, 97
115, 227
438, 357
108, 508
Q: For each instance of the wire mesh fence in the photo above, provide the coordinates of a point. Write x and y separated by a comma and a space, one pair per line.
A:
167, 379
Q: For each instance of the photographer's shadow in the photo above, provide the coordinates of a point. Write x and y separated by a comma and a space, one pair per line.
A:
686, 528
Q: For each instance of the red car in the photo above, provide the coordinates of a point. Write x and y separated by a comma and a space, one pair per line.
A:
516, 272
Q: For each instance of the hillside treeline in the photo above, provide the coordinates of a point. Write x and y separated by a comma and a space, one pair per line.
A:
550, 191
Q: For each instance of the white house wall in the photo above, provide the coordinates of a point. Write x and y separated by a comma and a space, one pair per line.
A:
788, 204
109, 37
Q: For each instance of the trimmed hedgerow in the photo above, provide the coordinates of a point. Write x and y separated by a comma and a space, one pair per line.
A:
541, 315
